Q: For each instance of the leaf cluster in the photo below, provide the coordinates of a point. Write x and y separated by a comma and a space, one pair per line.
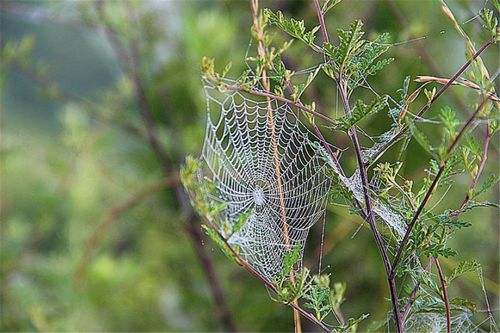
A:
293, 27
353, 59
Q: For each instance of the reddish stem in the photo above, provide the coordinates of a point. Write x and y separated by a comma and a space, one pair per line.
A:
426, 107
445, 295
427, 196
365, 182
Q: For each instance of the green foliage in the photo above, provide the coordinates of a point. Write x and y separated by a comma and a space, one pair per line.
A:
391, 187
351, 325
290, 290
71, 155
318, 296
329, 4
209, 73
361, 111
354, 58
337, 295
199, 190
291, 284
464, 267
485, 186
240, 222
471, 155
450, 123
490, 21
293, 27
292, 256
494, 122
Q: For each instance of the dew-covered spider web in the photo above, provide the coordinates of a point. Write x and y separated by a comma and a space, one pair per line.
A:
435, 322
283, 186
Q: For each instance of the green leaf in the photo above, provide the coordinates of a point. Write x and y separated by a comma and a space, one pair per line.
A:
351, 43
293, 27
337, 294
463, 303
354, 58
379, 66
450, 220
360, 111
329, 4
464, 267
318, 295
449, 120
487, 184
490, 22
288, 291
292, 256
403, 92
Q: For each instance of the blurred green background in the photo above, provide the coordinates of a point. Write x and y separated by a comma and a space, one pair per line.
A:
95, 231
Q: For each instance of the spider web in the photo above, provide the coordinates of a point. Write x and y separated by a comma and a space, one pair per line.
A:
240, 158
434, 322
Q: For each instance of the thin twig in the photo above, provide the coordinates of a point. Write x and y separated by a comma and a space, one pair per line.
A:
445, 295
413, 294
403, 23
463, 83
472, 186
427, 196
426, 107
266, 94
365, 181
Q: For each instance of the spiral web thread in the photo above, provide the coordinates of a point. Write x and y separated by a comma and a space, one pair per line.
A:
239, 158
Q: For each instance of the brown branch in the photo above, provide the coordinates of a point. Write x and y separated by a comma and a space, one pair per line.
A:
422, 51
413, 294
463, 83
471, 187
427, 196
445, 295
365, 181
266, 94
426, 107
113, 215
